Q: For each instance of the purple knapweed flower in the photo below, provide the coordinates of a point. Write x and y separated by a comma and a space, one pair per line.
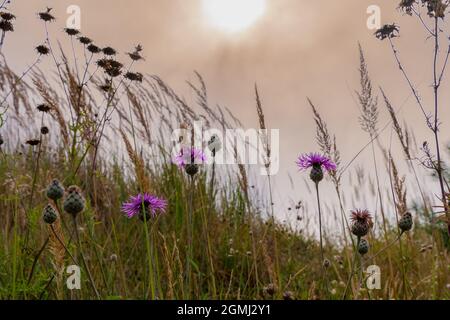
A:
189, 156
317, 163
151, 205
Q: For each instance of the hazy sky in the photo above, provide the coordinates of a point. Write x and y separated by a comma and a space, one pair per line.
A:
299, 48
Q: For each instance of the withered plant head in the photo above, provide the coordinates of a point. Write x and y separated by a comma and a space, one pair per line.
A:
44, 130
407, 6
107, 86
6, 26
1, 140
72, 32
43, 107
33, 142
387, 31
109, 51
42, 50
7, 16
92, 48
46, 16
85, 40
134, 76
136, 55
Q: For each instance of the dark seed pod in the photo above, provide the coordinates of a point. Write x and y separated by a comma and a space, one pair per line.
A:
49, 215
363, 247
191, 169
109, 51
74, 201
55, 190
43, 107
1, 140
406, 222
85, 40
92, 48
44, 130
46, 16
43, 50
6, 26
7, 16
316, 174
71, 31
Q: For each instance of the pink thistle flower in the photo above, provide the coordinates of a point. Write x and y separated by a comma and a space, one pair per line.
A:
189, 156
144, 203
311, 160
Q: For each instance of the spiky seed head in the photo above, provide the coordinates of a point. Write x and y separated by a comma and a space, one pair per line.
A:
55, 190
49, 214
43, 107
134, 76
46, 16
44, 130
7, 16
406, 222
85, 40
363, 247
42, 50
92, 48
33, 142
109, 51
74, 202
6, 26
326, 263
71, 31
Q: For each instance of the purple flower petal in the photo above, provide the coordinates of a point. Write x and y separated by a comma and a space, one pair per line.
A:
189, 156
135, 205
307, 161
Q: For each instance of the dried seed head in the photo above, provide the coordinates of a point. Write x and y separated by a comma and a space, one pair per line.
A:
1, 140
109, 51
134, 76
72, 31
85, 40
7, 16
74, 202
43, 107
135, 55
44, 130
49, 214
92, 48
326, 263
107, 86
42, 50
46, 16
33, 142
6, 26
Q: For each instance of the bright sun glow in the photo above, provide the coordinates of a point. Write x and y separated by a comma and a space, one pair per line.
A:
233, 15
